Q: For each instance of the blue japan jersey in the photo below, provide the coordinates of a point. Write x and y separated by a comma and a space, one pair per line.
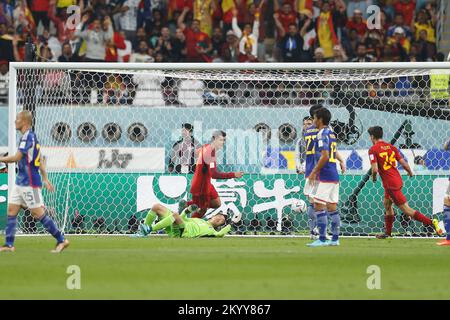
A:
309, 137
326, 140
28, 174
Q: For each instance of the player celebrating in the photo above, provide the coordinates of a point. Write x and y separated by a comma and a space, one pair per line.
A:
28, 189
204, 195
325, 178
446, 242
179, 225
384, 158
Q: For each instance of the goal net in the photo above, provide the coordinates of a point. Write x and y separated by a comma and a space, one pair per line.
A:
118, 138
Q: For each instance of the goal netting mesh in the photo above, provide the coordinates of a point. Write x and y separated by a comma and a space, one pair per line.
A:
114, 142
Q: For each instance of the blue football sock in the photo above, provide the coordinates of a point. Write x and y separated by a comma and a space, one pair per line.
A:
322, 222
10, 231
51, 228
312, 218
447, 220
335, 224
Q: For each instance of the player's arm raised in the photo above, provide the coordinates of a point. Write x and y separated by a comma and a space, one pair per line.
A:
12, 159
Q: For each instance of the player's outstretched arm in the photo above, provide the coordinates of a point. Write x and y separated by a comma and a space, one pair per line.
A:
12, 159
406, 166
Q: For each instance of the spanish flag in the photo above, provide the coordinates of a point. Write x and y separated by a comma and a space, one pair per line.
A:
305, 4
227, 6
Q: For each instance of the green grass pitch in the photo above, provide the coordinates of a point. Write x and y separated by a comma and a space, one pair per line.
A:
229, 268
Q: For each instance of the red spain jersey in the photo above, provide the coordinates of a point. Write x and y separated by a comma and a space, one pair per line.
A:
387, 157
205, 170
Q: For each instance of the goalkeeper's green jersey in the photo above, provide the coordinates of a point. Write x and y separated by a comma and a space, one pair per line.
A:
195, 227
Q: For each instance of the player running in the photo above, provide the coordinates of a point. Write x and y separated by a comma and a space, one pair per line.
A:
27, 192
384, 158
446, 242
325, 179
179, 225
204, 195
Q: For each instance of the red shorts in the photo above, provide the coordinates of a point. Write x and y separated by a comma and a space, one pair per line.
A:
202, 201
396, 196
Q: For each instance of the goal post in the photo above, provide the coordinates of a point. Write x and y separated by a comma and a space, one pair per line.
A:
119, 137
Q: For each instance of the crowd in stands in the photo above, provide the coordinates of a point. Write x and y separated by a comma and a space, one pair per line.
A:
218, 30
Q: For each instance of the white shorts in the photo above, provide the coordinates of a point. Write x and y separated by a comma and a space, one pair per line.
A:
28, 197
308, 188
325, 192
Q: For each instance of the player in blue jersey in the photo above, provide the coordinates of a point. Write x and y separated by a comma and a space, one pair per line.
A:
325, 179
27, 192
309, 142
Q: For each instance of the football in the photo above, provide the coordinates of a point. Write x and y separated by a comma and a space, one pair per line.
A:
299, 206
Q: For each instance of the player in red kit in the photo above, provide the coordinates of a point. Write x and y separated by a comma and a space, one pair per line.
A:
204, 195
384, 158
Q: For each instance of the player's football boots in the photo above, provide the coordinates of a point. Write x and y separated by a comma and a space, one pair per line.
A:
319, 243
443, 243
436, 227
383, 236
334, 243
6, 248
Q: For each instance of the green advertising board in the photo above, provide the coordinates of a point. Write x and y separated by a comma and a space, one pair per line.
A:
262, 200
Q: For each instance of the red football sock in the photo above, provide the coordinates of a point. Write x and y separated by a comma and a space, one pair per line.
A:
421, 218
389, 222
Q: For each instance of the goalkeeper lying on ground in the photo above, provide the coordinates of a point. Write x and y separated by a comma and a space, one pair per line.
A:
179, 225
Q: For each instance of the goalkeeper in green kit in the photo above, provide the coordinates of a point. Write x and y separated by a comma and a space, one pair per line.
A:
179, 225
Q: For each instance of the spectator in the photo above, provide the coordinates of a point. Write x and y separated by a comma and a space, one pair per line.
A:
125, 54
96, 39
7, 12
423, 23
350, 45
67, 55
4, 81
292, 43
399, 21
179, 46
9, 50
319, 55
230, 50
141, 35
357, 23
112, 46
39, 9
426, 49
248, 37
326, 32
375, 43
339, 54
164, 45
362, 55
128, 18
45, 54
53, 43
406, 8
360, 5
400, 45
203, 10
286, 16
217, 41
142, 54
197, 43
182, 155
247, 56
